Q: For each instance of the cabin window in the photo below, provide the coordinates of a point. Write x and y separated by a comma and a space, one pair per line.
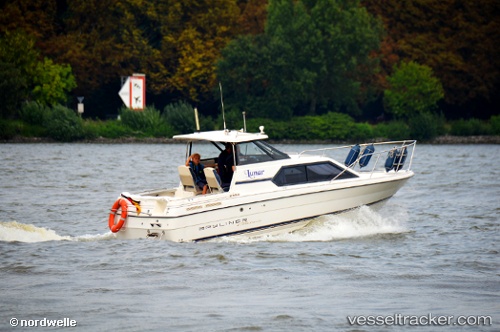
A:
290, 175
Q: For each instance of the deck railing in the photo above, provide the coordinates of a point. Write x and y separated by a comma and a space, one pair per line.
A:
401, 153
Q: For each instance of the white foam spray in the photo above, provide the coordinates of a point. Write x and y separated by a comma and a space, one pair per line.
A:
361, 222
14, 231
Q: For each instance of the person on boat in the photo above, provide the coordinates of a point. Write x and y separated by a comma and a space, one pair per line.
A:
226, 165
194, 163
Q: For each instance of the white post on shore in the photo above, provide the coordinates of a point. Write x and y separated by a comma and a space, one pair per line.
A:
196, 119
80, 106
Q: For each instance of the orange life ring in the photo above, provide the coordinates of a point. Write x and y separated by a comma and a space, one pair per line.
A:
122, 203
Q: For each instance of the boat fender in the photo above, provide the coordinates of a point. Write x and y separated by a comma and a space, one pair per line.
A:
366, 155
120, 203
352, 156
389, 162
400, 159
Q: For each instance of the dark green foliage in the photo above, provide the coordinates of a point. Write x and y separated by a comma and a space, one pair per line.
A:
362, 131
338, 126
34, 113
12, 89
10, 128
18, 58
234, 120
394, 130
29, 130
106, 129
148, 122
304, 57
257, 78
64, 125
425, 126
24, 75
180, 116
311, 55
7, 130
327, 127
91, 129
413, 90
276, 130
471, 127
495, 125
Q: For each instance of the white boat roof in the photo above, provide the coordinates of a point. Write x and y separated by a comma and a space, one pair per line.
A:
232, 136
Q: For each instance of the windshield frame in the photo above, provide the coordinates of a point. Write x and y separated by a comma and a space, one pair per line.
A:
257, 152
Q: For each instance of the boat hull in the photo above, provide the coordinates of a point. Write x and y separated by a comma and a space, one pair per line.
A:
205, 217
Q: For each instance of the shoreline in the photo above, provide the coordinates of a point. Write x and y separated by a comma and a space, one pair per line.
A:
440, 140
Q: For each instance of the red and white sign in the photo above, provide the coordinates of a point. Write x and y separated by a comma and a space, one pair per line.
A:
133, 92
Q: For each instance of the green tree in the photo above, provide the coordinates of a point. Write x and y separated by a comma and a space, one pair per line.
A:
12, 89
457, 39
91, 43
329, 41
194, 34
247, 84
413, 90
52, 82
311, 54
26, 77
18, 60
175, 43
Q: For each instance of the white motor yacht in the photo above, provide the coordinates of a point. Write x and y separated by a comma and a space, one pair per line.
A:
270, 191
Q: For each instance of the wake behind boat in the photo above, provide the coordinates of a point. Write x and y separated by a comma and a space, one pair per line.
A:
258, 189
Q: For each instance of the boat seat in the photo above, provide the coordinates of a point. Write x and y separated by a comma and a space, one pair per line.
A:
188, 179
213, 180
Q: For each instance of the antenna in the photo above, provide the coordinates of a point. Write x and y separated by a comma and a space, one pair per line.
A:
222, 103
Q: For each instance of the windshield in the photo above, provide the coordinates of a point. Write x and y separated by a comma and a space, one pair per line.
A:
257, 152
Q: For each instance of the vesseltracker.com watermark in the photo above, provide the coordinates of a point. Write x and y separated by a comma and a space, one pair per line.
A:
44, 322
422, 320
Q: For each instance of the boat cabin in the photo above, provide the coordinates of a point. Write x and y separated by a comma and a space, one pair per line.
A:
248, 149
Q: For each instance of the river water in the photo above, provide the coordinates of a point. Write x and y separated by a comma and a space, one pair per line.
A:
432, 251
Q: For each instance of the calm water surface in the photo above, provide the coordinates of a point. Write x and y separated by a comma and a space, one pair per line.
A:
433, 249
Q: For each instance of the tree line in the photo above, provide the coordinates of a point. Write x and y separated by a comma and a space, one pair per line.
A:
276, 59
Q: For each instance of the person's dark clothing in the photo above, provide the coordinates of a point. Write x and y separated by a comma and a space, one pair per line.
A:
226, 163
199, 174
